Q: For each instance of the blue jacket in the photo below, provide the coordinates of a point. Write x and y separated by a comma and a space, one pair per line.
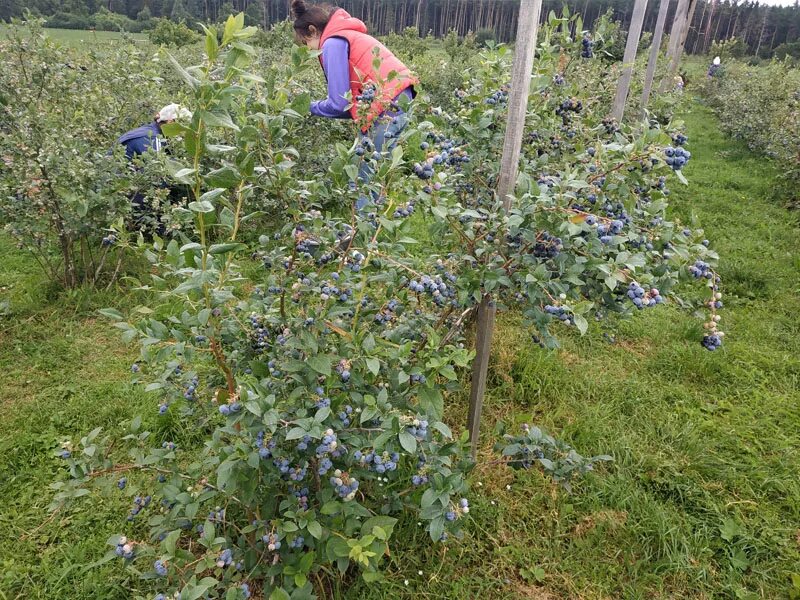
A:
140, 140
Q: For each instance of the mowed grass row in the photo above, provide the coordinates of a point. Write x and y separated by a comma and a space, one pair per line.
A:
82, 37
702, 501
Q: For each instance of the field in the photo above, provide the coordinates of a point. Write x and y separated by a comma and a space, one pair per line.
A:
79, 38
701, 501
276, 381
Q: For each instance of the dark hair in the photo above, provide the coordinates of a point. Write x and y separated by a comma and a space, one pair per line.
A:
306, 15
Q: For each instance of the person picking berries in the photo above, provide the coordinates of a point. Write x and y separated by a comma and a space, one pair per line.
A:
360, 87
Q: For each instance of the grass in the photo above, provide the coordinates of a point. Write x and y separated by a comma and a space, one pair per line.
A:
80, 37
702, 501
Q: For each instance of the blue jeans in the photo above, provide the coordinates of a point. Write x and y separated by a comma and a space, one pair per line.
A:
388, 123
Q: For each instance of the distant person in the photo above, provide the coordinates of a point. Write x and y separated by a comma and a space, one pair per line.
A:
347, 59
715, 66
142, 139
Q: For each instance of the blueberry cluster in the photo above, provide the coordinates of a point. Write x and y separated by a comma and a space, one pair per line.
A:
297, 542
345, 414
424, 170
344, 484
404, 210
343, 368
713, 337
587, 47
138, 504
547, 246
264, 450
711, 341
302, 496
322, 401
330, 290
380, 463
122, 483
448, 153
189, 392
676, 157
304, 244
560, 313
435, 287
365, 146
679, 139
418, 378
272, 542
460, 95
225, 558
217, 515
701, 270
230, 408
108, 240
169, 445
329, 441
387, 313
418, 480
124, 548
457, 511
610, 125
245, 590
498, 97
367, 95
160, 568
642, 298
418, 428
569, 107
558, 79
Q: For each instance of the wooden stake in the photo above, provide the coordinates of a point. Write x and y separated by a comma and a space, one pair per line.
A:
527, 30
652, 62
675, 36
624, 83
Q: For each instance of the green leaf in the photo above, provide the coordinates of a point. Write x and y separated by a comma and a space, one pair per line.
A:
225, 177
201, 207
195, 592
581, 323
212, 194
279, 594
218, 119
227, 247
374, 365
191, 81
171, 541
315, 529
296, 433
320, 363
408, 442
111, 313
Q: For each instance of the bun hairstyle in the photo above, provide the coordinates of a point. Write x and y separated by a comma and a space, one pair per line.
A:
308, 15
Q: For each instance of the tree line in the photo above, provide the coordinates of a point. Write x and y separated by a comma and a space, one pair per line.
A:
759, 28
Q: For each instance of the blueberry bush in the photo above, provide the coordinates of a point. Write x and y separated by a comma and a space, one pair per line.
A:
60, 193
761, 106
304, 353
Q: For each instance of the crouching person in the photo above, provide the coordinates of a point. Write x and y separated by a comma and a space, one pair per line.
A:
137, 142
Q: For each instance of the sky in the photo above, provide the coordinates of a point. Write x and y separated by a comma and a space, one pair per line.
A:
776, 2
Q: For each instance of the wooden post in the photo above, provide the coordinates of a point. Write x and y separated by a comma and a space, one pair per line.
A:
675, 35
687, 25
628, 60
527, 30
654, 51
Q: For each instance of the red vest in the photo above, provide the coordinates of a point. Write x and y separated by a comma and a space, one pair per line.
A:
362, 70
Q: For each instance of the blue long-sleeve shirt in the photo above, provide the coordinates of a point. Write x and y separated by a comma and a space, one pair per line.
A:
140, 140
335, 62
